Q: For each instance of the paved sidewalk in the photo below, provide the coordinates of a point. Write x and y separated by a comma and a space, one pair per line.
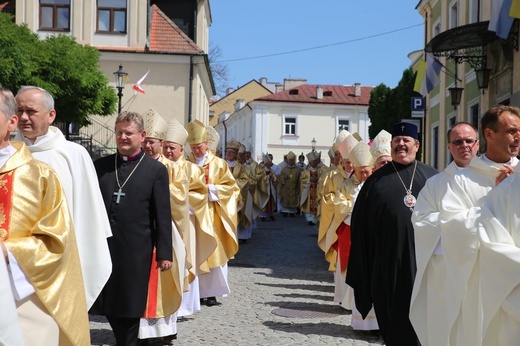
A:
281, 294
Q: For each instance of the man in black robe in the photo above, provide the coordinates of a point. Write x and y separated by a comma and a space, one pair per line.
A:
381, 268
136, 195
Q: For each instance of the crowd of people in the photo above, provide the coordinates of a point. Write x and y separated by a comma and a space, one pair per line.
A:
144, 236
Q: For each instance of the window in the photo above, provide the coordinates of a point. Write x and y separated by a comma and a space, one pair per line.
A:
474, 11
55, 15
289, 126
435, 147
342, 124
436, 28
473, 116
454, 14
111, 16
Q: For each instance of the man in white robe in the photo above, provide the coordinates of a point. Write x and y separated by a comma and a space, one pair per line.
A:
10, 332
500, 263
460, 209
428, 307
78, 178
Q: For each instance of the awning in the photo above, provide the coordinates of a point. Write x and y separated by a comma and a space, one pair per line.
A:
462, 37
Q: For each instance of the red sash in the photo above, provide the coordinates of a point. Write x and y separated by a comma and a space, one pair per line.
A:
6, 190
342, 245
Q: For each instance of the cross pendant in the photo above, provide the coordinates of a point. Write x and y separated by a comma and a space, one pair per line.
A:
119, 194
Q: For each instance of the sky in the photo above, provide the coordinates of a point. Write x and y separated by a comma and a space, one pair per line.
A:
330, 42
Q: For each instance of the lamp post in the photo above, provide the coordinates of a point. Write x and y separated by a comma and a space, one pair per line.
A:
313, 144
120, 75
483, 78
456, 96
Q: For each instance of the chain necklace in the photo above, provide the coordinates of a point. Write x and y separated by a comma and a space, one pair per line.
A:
409, 200
120, 193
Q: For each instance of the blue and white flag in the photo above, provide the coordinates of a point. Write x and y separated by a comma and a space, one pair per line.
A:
431, 79
500, 21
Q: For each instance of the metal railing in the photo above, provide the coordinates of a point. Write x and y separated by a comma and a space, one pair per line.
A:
97, 138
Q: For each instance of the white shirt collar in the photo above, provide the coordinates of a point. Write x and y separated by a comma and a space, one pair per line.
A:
38, 139
6, 153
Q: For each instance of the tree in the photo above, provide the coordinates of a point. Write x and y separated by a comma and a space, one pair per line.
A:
388, 106
66, 69
219, 70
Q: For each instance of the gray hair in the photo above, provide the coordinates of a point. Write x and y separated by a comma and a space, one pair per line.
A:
7, 103
133, 117
47, 99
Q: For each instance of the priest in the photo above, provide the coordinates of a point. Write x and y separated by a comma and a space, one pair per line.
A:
309, 186
136, 197
429, 304
460, 209
380, 149
381, 267
223, 194
39, 246
289, 186
74, 167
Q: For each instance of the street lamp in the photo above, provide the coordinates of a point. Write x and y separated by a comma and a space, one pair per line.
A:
120, 75
456, 96
483, 78
313, 144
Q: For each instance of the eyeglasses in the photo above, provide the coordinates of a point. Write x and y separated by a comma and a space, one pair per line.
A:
126, 134
458, 142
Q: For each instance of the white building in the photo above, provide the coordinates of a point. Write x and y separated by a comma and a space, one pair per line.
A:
291, 119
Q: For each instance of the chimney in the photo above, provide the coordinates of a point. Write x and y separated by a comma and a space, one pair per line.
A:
263, 81
319, 92
357, 88
239, 104
279, 87
229, 91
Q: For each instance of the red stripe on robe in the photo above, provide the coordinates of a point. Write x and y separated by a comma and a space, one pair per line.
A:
6, 189
342, 245
153, 286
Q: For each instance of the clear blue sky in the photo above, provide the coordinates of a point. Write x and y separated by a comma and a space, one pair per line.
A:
252, 28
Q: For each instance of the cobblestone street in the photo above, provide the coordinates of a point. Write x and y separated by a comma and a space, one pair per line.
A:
281, 294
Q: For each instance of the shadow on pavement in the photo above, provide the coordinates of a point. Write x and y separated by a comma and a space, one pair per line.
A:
324, 328
319, 288
332, 309
327, 298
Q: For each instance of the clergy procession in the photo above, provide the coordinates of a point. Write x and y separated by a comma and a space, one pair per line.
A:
145, 236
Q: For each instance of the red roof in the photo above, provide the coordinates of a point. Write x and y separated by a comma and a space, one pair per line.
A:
332, 94
167, 37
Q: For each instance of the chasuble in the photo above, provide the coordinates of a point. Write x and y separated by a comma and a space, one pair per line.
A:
37, 229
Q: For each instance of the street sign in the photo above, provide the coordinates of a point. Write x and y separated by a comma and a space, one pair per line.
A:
417, 107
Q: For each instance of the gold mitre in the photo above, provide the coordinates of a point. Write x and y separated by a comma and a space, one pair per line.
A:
233, 144
266, 158
247, 146
291, 155
357, 136
361, 156
341, 136
155, 125
176, 133
197, 132
213, 138
381, 145
346, 146
312, 156
242, 149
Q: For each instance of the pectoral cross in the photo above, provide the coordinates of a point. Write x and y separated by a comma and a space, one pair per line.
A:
119, 194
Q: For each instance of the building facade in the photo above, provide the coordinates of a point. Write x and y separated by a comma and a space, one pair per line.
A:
290, 120
479, 65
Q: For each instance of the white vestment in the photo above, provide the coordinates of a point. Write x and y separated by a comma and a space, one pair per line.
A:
500, 263
78, 178
460, 209
429, 302
10, 332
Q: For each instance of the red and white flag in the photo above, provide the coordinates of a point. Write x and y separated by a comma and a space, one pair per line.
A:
137, 86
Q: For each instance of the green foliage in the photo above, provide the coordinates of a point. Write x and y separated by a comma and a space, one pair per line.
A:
68, 70
388, 106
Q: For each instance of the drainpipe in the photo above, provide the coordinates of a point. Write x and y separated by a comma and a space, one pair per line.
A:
190, 95
225, 130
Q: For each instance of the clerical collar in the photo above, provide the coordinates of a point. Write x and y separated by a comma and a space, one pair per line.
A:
313, 169
485, 158
249, 160
6, 153
130, 158
200, 161
39, 139
231, 163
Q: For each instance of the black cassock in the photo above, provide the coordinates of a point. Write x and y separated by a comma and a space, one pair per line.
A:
382, 267
140, 221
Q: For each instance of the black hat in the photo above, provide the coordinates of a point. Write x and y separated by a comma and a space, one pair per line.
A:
405, 129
